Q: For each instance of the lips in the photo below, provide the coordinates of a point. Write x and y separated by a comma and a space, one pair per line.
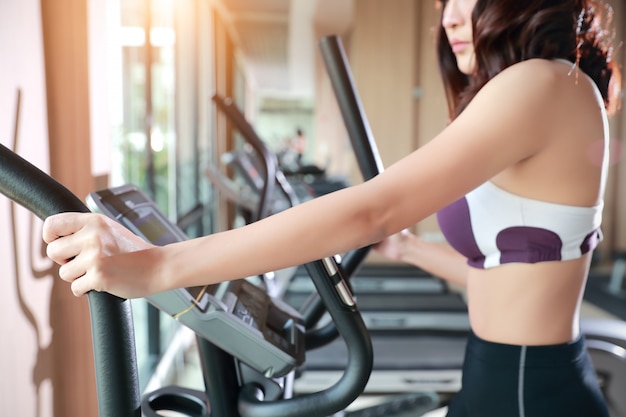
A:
458, 45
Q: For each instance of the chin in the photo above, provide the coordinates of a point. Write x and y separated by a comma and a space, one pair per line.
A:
466, 64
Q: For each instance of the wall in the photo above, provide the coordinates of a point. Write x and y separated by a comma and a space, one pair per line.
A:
46, 358
615, 203
330, 144
393, 60
25, 384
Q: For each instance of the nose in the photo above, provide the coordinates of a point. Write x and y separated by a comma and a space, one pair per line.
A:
452, 16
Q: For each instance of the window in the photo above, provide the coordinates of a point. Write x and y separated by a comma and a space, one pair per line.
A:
163, 133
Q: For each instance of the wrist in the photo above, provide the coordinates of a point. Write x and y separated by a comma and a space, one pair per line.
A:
410, 248
163, 270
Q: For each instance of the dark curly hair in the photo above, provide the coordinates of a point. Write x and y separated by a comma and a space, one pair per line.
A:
506, 32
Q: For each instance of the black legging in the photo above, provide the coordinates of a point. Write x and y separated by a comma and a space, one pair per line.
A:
502, 380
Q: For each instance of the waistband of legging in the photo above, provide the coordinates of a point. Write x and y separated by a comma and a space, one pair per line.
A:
545, 355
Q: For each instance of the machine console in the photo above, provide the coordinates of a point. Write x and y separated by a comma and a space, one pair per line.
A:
237, 316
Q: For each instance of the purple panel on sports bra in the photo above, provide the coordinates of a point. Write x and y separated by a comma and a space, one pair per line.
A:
528, 245
591, 241
455, 224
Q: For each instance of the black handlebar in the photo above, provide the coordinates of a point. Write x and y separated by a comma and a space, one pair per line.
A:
367, 156
350, 106
329, 284
111, 317
357, 126
112, 327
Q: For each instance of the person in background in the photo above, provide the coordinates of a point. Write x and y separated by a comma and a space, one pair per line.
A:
517, 178
299, 144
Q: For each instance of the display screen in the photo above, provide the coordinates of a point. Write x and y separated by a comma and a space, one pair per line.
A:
153, 229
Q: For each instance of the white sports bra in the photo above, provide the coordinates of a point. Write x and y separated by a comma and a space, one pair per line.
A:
492, 226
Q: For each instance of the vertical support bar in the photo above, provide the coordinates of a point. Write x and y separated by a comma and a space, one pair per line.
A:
220, 379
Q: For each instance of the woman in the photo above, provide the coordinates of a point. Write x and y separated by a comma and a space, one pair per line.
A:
528, 88
525, 356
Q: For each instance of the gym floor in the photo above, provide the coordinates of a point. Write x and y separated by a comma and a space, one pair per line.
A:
190, 376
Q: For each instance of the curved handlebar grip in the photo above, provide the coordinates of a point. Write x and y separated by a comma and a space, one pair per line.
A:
356, 375
111, 317
365, 150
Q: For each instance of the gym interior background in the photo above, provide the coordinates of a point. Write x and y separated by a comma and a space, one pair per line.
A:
104, 92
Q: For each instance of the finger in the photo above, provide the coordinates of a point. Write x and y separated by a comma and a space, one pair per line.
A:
64, 249
80, 287
72, 270
62, 224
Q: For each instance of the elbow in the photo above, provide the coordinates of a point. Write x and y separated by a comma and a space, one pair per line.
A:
374, 213
375, 223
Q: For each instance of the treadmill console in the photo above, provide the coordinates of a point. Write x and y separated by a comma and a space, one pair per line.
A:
237, 316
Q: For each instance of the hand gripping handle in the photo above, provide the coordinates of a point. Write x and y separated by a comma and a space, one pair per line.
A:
111, 317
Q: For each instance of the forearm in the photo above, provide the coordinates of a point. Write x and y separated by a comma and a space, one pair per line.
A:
313, 230
439, 259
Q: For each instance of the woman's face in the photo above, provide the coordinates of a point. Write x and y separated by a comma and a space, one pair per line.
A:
457, 23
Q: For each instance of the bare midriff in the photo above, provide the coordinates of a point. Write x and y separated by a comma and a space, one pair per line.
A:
527, 304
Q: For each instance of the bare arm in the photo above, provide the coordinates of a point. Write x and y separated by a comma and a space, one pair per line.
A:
488, 137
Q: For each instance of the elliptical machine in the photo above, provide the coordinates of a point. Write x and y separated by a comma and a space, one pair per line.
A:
231, 375
237, 381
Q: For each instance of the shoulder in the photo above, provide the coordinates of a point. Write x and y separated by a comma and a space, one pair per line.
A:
536, 91
548, 68
533, 79
524, 90
517, 113
542, 71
